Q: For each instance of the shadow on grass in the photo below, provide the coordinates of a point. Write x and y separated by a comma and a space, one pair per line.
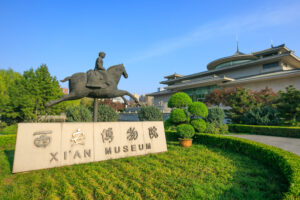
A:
10, 157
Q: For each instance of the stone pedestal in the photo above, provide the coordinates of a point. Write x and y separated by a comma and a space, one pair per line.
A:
47, 145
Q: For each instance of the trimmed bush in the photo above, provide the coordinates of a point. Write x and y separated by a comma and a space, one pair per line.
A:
185, 131
12, 129
215, 114
288, 164
78, 114
150, 113
107, 114
179, 100
199, 125
262, 116
198, 109
7, 141
169, 125
223, 128
266, 130
212, 128
178, 116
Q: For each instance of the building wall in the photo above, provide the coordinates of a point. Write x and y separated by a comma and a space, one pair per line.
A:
275, 84
161, 102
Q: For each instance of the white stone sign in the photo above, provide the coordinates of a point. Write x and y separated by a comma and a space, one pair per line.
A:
47, 145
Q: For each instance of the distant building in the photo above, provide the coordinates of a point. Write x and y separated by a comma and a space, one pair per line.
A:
275, 67
136, 96
146, 100
65, 90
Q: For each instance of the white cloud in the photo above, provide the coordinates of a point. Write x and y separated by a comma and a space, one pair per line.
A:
238, 24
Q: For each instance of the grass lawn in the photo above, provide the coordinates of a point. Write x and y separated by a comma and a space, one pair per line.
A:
195, 173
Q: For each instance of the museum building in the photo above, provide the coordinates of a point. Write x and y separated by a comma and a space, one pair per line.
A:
276, 67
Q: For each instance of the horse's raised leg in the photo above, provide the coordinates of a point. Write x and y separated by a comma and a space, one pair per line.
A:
121, 93
63, 98
125, 101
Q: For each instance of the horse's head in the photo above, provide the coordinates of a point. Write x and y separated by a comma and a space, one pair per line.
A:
116, 71
124, 73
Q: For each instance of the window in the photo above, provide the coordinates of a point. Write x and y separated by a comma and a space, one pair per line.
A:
270, 65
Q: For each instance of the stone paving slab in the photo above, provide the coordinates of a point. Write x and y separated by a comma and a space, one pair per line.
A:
288, 144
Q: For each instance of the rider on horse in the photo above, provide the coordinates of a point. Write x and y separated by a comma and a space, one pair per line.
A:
97, 78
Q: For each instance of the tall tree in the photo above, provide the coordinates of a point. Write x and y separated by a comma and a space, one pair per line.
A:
29, 94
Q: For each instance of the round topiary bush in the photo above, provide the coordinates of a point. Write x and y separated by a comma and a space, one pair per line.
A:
178, 116
199, 125
78, 114
150, 113
107, 114
185, 131
215, 114
179, 100
198, 109
168, 124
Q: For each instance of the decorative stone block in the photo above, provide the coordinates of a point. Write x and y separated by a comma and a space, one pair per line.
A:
47, 145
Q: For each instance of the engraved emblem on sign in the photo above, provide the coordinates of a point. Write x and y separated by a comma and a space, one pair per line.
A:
78, 138
107, 135
153, 132
42, 139
132, 134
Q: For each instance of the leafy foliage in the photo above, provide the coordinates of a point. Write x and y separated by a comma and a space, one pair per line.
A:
216, 128
169, 125
150, 113
199, 125
107, 114
179, 100
266, 130
289, 105
198, 109
116, 105
215, 114
262, 116
185, 131
178, 116
78, 114
29, 94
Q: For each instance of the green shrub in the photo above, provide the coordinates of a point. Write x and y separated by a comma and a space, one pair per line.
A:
150, 113
199, 125
169, 125
262, 116
7, 141
198, 109
78, 114
266, 130
288, 164
212, 128
12, 129
223, 128
178, 116
107, 114
179, 100
185, 131
215, 114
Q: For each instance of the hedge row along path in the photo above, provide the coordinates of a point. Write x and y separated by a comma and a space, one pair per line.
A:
198, 172
289, 144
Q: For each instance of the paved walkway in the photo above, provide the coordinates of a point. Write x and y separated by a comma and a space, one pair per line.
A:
288, 144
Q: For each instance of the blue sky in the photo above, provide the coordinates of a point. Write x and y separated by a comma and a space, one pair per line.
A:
151, 38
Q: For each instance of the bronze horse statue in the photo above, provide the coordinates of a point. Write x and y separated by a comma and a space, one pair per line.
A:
78, 88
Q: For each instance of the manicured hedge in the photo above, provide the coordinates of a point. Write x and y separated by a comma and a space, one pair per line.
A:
7, 141
285, 162
266, 130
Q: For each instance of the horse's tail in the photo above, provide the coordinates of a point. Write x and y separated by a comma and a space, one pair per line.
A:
66, 79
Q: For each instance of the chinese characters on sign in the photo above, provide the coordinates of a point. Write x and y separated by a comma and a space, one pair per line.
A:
78, 138
43, 140
132, 134
153, 132
107, 135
